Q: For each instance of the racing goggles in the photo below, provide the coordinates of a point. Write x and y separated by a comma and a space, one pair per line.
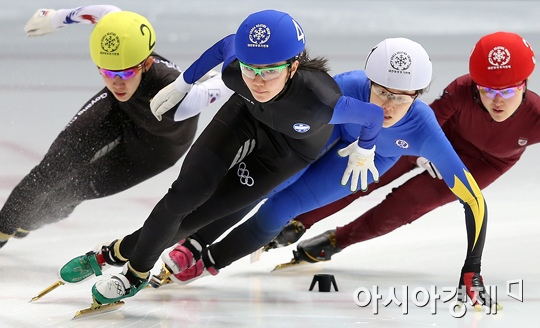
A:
124, 74
397, 98
505, 93
266, 74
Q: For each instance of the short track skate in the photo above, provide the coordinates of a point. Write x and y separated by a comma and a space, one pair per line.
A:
256, 256
98, 308
48, 290
163, 278
292, 263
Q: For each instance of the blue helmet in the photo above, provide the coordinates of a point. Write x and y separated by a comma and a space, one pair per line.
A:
268, 37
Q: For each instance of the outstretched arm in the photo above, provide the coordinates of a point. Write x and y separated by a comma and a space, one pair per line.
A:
45, 21
361, 153
201, 96
168, 97
463, 185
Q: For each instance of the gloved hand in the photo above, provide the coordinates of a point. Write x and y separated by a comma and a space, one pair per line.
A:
360, 162
40, 23
476, 291
169, 96
426, 164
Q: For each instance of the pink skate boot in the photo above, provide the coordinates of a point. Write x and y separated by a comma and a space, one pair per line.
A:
197, 271
183, 256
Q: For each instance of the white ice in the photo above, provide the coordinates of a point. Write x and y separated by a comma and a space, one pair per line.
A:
44, 81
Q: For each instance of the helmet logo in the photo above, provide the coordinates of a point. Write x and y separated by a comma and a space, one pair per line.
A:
258, 35
400, 62
499, 57
110, 43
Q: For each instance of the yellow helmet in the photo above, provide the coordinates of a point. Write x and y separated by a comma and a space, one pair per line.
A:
121, 40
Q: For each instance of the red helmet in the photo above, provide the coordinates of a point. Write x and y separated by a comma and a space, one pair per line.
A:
501, 60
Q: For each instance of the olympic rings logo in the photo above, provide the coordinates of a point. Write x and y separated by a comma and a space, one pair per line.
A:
243, 173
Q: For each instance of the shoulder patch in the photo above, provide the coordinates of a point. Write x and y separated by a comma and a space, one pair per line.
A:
213, 95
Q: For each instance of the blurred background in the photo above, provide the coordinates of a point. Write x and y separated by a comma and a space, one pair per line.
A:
44, 81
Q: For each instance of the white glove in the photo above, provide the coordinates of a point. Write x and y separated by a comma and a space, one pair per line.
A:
428, 166
40, 23
360, 162
169, 96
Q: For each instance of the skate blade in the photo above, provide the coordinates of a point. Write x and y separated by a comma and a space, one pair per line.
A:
48, 290
478, 308
97, 308
256, 256
494, 308
161, 279
158, 283
289, 264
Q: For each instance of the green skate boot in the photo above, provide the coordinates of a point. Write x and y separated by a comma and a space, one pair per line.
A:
86, 266
92, 263
119, 286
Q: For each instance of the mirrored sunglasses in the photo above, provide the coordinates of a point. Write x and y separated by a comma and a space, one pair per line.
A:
124, 74
505, 93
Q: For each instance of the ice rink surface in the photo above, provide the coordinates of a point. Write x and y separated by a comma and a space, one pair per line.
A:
44, 81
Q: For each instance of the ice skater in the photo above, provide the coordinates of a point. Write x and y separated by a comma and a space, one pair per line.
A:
279, 120
397, 71
113, 142
489, 116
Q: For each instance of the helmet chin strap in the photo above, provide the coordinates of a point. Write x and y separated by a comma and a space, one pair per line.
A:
143, 72
289, 78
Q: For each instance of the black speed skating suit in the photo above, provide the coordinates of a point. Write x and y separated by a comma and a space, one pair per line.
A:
108, 146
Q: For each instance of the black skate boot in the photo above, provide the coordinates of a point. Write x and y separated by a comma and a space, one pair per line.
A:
4, 239
20, 233
317, 249
290, 234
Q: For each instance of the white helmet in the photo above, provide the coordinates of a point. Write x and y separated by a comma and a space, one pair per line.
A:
399, 64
